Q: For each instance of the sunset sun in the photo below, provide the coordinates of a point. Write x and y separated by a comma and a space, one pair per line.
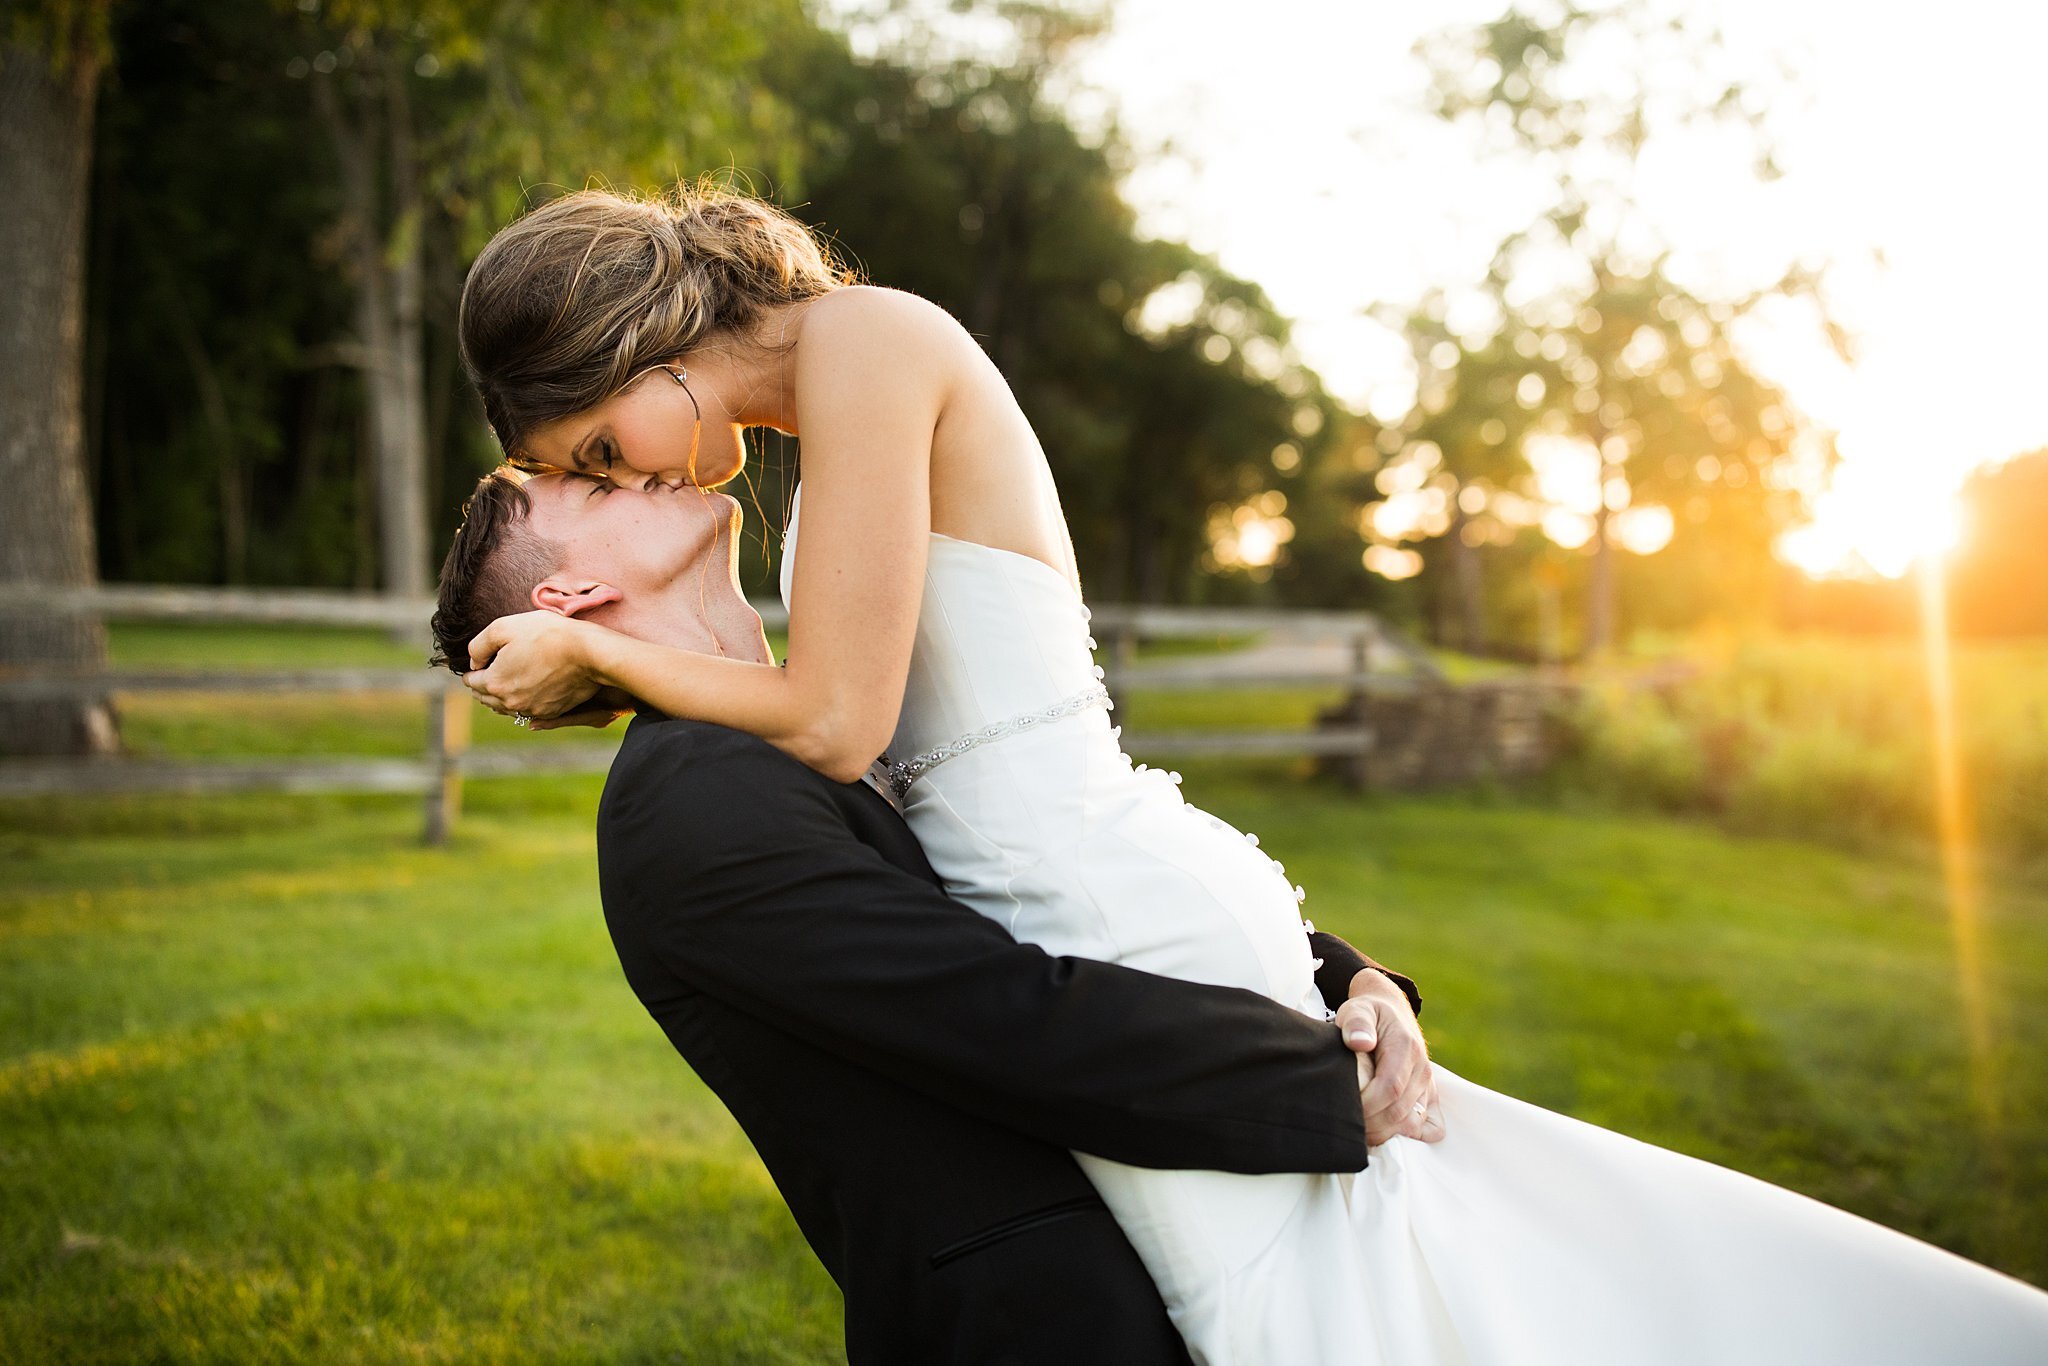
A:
1885, 523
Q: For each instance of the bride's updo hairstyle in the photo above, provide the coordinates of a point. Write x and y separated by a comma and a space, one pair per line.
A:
569, 302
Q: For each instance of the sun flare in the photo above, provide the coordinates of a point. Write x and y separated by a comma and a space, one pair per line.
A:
1885, 524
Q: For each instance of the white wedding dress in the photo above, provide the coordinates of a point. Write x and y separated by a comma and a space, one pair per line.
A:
1523, 1238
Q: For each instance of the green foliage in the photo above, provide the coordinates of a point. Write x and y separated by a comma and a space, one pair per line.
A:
71, 34
1827, 739
953, 176
225, 432
230, 446
1584, 334
527, 97
1631, 748
228, 409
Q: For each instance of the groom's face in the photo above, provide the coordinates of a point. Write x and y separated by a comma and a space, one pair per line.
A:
640, 541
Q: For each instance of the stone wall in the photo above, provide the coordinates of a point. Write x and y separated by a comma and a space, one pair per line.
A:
1443, 736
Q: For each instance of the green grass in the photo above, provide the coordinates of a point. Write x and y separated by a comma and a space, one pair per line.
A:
278, 1084
157, 645
1788, 1010
1239, 708
287, 1087
275, 1083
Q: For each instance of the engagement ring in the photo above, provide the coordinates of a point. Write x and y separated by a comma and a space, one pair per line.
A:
520, 718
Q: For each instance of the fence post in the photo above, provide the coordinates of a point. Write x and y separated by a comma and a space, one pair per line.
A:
1122, 650
1357, 771
448, 728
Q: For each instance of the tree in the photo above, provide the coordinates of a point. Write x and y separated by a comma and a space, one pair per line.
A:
50, 66
273, 392
452, 106
239, 431
224, 410
1999, 572
1638, 368
1458, 459
1158, 385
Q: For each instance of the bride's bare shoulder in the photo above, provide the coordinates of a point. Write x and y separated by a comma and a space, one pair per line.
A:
872, 357
865, 314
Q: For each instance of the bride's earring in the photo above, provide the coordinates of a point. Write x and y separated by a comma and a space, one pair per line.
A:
681, 376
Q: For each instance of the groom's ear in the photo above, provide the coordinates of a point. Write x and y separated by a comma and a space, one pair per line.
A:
573, 597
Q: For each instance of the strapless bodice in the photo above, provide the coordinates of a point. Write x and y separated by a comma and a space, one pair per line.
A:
1000, 637
1032, 813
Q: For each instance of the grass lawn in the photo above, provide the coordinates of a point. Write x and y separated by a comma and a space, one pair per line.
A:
277, 1084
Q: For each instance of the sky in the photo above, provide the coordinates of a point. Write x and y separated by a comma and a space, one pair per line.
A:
1286, 138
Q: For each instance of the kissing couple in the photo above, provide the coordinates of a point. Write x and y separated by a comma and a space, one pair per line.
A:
1043, 1057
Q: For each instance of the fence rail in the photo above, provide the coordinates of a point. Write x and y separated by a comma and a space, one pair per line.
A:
71, 684
1375, 659
280, 606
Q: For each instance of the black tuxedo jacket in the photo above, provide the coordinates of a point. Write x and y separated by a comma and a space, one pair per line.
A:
913, 1077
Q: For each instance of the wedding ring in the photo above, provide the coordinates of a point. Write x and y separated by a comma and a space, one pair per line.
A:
1421, 1107
520, 718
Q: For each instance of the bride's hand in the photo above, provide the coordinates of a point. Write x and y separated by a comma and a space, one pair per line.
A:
1396, 1087
534, 664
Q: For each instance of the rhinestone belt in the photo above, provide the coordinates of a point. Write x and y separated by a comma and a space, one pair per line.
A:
902, 773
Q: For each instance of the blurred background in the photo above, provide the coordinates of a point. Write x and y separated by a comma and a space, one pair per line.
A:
1573, 478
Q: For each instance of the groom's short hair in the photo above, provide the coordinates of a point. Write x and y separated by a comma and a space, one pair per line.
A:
492, 567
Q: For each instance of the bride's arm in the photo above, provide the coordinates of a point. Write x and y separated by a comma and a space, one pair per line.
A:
879, 367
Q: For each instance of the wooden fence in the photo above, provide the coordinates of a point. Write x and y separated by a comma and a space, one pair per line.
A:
1371, 660
437, 772
1354, 651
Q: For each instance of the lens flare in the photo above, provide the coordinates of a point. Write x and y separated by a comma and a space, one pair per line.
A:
1884, 525
1956, 828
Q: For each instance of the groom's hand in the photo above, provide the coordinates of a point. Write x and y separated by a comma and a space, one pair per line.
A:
1395, 1085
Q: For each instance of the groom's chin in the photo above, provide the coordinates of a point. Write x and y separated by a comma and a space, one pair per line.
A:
693, 635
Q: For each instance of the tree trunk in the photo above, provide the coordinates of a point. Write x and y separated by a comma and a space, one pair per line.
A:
213, 405
46, 531
1146, 554
1467, 585
402, 454
1600, 587
374, 146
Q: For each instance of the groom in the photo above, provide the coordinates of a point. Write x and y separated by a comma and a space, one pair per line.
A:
912, 1077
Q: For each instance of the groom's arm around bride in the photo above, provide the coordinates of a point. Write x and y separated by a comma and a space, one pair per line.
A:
913, 1077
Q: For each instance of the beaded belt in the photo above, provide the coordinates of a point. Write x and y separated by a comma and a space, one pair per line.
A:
902, 773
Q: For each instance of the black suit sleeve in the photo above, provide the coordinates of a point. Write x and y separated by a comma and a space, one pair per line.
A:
732, 864
1340, 963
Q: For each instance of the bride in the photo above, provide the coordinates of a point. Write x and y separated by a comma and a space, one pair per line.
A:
937, 624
